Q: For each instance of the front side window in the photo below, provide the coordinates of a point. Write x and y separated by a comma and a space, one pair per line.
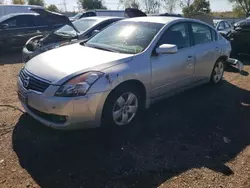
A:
20, 21
177, 35
201, 33
125, 37
12, 23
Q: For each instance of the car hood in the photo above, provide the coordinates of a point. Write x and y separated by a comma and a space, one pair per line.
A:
67, 61
54, 16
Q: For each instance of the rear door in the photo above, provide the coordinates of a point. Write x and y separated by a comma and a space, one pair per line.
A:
206, 49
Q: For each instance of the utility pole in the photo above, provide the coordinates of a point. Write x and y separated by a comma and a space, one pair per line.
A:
64, 4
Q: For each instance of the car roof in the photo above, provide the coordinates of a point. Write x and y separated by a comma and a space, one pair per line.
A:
154, 19
162, 19
101, 18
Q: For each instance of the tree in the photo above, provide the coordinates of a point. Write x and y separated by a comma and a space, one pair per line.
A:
151, 6
170, 5
52, 8
18, 2
196, 7
238, 12
36, 2
186, 3
130, 3
92, 4
241, 6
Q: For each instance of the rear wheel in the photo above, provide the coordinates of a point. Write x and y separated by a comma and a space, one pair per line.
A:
122, 107
218, 72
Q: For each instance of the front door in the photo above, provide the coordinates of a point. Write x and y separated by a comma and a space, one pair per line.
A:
172, 71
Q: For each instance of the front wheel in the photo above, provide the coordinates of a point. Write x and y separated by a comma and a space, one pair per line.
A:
218, 72
122, 107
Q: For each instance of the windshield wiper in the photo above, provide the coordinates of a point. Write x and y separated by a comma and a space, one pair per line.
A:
101, 48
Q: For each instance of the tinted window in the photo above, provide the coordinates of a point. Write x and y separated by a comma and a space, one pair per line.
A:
40, 21
20, 21
178, 35
201, 33
11, 22
25, 21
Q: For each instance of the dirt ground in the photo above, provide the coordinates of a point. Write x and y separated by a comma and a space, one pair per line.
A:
199, 138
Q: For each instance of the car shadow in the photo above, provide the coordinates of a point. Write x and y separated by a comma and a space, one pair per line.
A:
203, 127
10, 57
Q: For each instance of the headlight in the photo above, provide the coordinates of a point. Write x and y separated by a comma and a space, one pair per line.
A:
79, 85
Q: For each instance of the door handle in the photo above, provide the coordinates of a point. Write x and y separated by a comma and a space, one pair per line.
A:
217, 49
190, 58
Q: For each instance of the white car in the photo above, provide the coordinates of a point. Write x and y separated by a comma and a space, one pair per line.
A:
121, 70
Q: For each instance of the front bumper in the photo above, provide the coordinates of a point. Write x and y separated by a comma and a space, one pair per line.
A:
63, 112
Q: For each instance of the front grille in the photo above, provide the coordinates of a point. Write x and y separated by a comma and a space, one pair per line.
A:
50, 117
31, 82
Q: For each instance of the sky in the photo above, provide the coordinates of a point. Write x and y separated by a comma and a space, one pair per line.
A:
216, 5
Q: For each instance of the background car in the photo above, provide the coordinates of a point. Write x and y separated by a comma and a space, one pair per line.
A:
128, 66
16, 29
86, 28
222, 26
239, 38
90, 13
10, 9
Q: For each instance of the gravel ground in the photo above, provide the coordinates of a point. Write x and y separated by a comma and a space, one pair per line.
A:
199, 138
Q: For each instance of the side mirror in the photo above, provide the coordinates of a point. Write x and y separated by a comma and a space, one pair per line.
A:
95, 32
167, 49
4, 26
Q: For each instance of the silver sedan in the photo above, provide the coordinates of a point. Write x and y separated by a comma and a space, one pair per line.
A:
125, 68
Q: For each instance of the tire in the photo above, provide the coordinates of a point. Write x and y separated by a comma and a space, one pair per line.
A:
218, 72
116, 110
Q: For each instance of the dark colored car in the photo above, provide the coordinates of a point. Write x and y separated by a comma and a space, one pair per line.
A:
16, 29
239, 38
83, 29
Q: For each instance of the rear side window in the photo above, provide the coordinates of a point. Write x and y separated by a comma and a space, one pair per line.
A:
201, 33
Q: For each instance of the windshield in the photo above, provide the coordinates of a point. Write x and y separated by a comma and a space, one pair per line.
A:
82, 25
77, 16
125, 37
